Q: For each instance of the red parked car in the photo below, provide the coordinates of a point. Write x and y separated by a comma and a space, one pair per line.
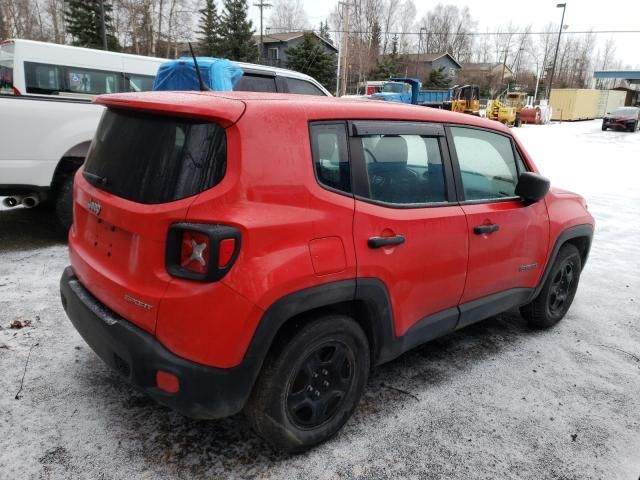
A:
261, 252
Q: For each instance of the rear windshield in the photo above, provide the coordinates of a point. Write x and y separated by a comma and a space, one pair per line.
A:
155, 159
6, 69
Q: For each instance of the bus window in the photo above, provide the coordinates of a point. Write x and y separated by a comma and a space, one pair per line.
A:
93, 82
42, 78
138, 83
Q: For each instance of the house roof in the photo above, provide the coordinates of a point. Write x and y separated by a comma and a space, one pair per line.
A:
284, 37
428, 57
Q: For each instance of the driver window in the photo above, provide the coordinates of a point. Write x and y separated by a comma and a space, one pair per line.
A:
487, 165
404, 169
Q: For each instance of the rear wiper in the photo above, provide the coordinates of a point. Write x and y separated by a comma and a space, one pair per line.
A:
95, 179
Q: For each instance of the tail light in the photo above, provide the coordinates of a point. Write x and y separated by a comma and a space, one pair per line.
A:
201, 252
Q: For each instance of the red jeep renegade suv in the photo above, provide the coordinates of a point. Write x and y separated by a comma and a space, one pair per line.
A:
262, 252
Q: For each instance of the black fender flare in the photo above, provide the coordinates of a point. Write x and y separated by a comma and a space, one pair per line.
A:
577, 231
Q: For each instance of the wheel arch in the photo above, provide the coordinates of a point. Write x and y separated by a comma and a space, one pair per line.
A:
70, 161
365, 300
580, 236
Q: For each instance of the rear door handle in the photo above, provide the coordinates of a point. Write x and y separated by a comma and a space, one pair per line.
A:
378, 242
482, 229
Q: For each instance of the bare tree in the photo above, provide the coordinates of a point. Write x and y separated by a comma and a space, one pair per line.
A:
447, 30
288, 15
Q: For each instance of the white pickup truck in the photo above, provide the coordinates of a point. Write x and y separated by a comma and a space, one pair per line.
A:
47, 120
44, 141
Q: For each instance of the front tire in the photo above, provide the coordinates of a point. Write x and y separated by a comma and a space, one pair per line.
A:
308, 390
556, 296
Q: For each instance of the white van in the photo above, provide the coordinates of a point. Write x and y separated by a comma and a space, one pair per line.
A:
47, 121
38, 68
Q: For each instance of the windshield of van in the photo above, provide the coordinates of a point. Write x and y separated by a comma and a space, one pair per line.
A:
6, 69
155, 159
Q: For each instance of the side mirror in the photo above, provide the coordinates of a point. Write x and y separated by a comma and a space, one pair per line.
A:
532, 187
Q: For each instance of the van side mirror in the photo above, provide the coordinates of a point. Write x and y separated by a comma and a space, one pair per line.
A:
532, 187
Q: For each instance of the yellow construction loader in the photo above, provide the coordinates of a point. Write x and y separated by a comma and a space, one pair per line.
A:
506, 109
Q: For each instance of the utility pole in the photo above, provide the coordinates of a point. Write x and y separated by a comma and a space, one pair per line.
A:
262, 5
104, 26
345, 46
555, 57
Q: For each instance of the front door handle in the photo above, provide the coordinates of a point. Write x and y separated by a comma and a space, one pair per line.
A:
378, 242
482, 229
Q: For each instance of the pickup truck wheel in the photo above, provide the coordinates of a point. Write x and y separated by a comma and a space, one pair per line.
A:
309, 389
64, 203
556, 296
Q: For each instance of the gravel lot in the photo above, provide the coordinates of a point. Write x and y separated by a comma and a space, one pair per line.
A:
496, 400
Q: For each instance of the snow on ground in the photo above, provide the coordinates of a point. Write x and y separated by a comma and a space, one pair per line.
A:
495, 400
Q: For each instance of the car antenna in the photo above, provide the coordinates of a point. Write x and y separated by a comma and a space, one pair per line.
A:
203, 87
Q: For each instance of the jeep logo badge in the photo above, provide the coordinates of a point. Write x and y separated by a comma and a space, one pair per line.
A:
95, 207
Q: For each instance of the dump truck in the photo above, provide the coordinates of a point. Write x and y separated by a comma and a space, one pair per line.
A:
463, 99
409, 90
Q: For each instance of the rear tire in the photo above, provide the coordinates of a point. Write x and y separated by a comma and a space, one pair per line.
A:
309, 388
556, 296
64, 203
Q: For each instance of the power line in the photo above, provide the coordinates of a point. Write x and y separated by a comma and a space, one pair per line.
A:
470, 34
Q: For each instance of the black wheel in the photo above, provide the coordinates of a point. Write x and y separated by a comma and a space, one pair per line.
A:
307, 391
556, 296
64, 203
604, 129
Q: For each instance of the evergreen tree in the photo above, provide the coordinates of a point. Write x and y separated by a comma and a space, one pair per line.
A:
84, 24
209, 30
437, 79
376, 39
389, 65
311, 58
324, 31
237, 32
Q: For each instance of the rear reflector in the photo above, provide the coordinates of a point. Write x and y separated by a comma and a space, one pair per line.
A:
227, 249
167, 381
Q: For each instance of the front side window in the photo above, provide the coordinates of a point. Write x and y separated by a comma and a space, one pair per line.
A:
487, 165
404, 169
302, 87
331, 156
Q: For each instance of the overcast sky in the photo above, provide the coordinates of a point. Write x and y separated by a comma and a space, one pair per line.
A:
491, 14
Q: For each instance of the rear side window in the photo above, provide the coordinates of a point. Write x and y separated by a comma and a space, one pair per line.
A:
487, 164
404, 169
256, 83
155, 159
302, 87
6, 69
331, 156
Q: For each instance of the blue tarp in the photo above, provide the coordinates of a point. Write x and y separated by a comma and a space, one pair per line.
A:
218, 74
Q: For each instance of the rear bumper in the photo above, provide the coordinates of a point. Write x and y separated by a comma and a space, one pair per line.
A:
204, 392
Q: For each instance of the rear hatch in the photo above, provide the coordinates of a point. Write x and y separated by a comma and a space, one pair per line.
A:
144, 169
